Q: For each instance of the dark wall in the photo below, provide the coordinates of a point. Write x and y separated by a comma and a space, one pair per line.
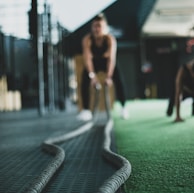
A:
166, 55
128, 64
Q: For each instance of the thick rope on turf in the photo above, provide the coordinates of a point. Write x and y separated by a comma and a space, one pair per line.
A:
41, 181
112, 184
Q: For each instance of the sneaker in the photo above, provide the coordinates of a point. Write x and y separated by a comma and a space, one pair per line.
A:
125, 113
169, 110
84, 115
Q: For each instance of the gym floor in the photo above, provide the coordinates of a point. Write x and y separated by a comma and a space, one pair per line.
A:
161, 152
22, 159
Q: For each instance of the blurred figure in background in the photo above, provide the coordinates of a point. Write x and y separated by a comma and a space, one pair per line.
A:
99, 52
184, 86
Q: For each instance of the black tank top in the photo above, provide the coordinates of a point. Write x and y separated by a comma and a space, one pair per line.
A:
99, 61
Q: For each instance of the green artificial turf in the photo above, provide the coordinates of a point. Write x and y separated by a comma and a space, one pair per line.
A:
161, 152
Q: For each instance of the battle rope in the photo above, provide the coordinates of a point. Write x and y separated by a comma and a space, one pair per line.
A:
49, 146
59, 155
112, 184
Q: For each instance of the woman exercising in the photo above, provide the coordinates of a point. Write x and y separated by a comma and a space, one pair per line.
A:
99, 52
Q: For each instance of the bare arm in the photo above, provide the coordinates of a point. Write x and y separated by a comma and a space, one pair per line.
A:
111, 55
87, 55
178, 92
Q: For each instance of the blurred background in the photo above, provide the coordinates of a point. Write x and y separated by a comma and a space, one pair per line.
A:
40, 48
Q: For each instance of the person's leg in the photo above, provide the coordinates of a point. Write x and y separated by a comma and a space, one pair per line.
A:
120, 92
171, 102
170, 107
119, 86
85, 94
85, 114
